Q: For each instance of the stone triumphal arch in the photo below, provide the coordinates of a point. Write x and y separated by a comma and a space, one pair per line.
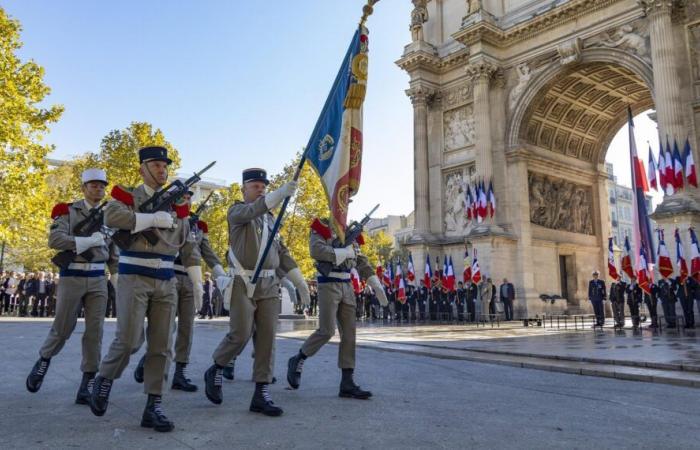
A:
528, 94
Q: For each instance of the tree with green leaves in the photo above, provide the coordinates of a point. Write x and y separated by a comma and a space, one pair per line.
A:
215, 215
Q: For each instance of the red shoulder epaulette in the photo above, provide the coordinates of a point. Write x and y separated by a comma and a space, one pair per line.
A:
323, 230
122, 195
182, 211
202, 225
61, 209
360, 239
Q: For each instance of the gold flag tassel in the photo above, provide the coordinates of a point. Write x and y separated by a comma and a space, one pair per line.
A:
367, 11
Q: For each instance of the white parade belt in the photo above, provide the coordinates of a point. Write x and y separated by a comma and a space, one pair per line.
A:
151, 263
86, 267
339, 275
265, 273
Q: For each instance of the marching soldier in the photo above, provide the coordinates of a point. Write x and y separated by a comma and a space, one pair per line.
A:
250, 223
146, 286
82, 284
189, 299
634, 299
336, 303
596, 295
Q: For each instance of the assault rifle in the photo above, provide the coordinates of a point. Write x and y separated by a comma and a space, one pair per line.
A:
161, 201
194, 218
351, 234
86, 227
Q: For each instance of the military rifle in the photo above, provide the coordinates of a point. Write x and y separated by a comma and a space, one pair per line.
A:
351, 234
86, 227
194, 218
161, 201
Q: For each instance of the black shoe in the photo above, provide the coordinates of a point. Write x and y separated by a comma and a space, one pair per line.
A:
36, 376
83, 397
348, 388
212, 384
229, 370
153, 416
294, 367
180, 380
262, 402
138, 371
99, 398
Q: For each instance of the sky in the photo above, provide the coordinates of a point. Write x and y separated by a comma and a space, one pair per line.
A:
239, 82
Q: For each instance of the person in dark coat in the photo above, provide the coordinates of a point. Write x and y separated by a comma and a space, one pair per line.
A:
596, 295
684, 292
634, 299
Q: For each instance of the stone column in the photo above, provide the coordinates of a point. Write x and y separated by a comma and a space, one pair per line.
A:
421, 191
670, 106
480, 72
600, 191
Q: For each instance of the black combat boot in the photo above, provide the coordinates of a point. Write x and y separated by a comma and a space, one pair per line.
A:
36, 376
348, 388
294, 367
99, 397
262, 402
180, 380
154, 417
83, 397
229, 370
212, 384
138, 371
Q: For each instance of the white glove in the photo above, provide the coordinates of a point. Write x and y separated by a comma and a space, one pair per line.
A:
160, 219
341, 254
218, 271
221, 277
376, 286
195, 274
291, 290
94, 240
274, 198
299, 283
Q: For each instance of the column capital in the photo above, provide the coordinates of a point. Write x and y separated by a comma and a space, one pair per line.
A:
653, 7
421, 95
481, 70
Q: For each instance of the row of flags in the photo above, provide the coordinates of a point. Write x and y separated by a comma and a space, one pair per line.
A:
675, 169
645, 276
479, 202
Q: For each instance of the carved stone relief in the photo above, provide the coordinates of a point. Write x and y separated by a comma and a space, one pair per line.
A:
455, 218
457, 95
419, 16
630, 37
560, 205
524, 75
459, 128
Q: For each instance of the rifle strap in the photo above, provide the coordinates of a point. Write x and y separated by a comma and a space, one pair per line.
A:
236, 269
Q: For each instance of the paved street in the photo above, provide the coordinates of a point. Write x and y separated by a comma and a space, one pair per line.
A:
420, 402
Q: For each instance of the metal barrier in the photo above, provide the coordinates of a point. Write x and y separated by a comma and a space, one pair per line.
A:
563, 321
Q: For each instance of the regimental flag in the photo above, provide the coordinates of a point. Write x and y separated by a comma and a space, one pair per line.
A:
450, 275
467, 274
680, 257
492, 201
626, 263
476, 270
662, 168
335, 146
694, 255
642, 226
652, 171
355, 278
428, 273
612, 270
400, 284
690, 173
411, 272
677, 166
668, 169
643, 271
664, 258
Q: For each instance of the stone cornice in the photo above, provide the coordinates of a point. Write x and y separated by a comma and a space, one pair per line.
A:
422, 59
485, 31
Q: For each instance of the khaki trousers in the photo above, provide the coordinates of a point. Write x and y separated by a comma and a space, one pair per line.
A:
73, 292
140, 297
185, 319
336, 304
246, 313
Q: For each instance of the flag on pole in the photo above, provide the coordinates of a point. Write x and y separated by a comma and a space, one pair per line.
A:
476, 270
445, 268
643, 271
664, 258
355, 278
450, 275
626, 263
668, 169
694, 255
492, 201
642, 226
428, 273
677, 166
612, 270
680, 257
400, 284
483, 202
335, 146
467, 274
662, 168
652, 171
690, 172
411, 272
469, 202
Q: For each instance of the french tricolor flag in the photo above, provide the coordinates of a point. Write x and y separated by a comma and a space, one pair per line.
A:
664, 258
411, 273
467, 274
652, 171
476, 270
355, 278
662, 168
694, 255
690, 172
492, 201
399, 283
450, 275
677, 166
626, 263
612, 270
428, 274
680, 257
469, 203
643, 272
668, 170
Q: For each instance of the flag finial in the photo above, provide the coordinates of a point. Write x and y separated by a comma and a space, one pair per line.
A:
367, 11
